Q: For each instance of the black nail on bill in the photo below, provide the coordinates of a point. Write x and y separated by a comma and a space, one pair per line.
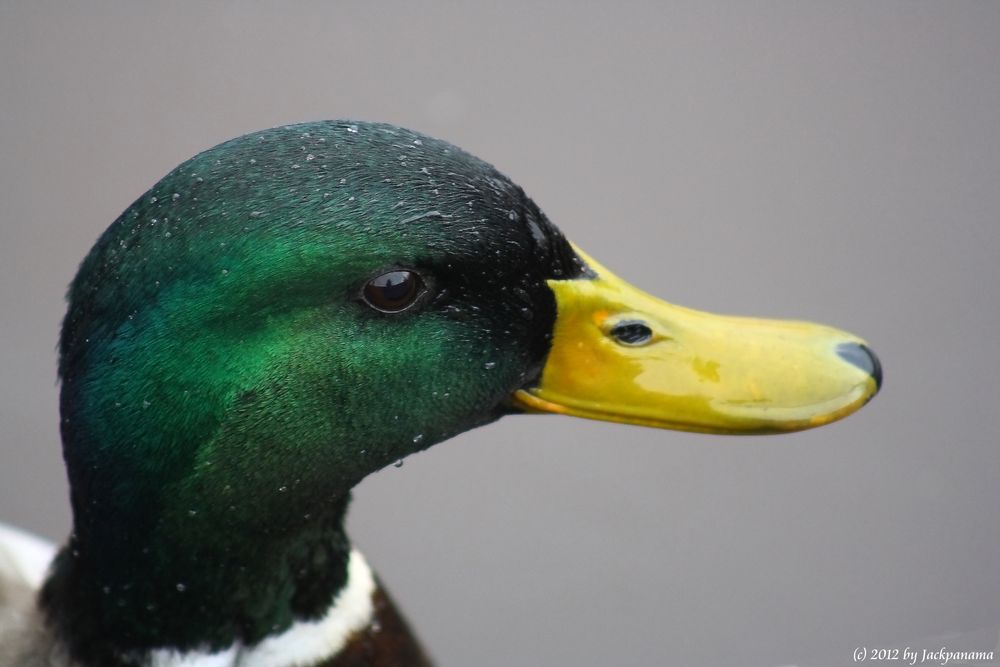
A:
862, 357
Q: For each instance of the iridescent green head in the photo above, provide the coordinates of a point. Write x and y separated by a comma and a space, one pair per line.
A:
277, 318
219, 335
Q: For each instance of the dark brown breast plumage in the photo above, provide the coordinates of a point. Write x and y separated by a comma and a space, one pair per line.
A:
386, 642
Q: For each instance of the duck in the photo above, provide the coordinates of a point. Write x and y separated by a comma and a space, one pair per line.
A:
296, 308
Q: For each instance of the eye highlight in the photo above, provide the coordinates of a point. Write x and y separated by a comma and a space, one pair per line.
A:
394, 291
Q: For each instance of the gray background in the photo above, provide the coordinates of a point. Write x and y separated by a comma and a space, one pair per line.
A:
837, 162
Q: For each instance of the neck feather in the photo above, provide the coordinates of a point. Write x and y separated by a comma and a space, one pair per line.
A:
304, 643
119, 597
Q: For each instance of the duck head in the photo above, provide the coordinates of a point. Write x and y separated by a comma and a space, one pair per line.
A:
294, 309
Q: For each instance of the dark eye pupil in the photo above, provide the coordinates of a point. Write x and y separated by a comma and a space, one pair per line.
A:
394, 291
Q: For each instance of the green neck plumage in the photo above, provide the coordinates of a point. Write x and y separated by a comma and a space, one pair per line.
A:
153, 592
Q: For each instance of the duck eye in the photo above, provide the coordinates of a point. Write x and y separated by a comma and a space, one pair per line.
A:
393, 292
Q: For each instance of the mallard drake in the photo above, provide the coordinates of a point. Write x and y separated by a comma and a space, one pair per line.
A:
289, 311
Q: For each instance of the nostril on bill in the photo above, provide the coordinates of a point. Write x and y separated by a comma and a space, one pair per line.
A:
631, 332
861, 356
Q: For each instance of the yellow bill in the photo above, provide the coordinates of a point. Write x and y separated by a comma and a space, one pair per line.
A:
621, 355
